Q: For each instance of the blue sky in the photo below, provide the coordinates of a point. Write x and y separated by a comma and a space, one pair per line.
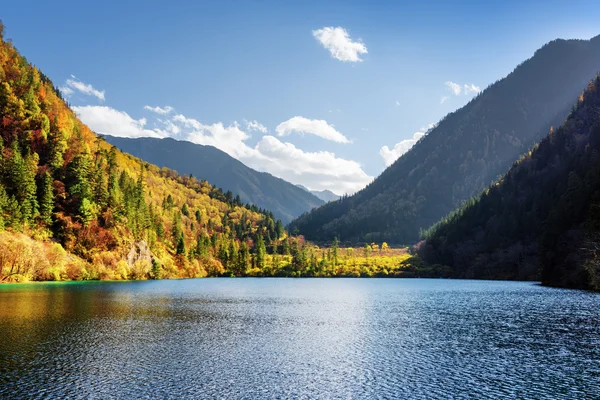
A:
309, 91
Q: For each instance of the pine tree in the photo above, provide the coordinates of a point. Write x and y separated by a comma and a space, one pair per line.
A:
3, 205
243, 259
260, 252
20, 174
334, 250
46, 199
180, 249
79, 186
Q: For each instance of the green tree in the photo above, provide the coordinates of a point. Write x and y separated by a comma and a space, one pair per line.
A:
180, 248
79, 186
261, 252
46, 199
334, 250
20, 174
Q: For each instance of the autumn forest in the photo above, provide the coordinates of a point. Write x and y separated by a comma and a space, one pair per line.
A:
74, 207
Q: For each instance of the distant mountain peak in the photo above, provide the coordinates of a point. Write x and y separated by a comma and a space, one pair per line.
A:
464, 153
325, 195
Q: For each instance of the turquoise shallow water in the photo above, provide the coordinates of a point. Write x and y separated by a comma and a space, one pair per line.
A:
299, 339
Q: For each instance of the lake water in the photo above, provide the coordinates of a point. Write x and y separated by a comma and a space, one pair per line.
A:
299, 339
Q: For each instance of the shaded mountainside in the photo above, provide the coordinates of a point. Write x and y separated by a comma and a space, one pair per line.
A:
541, 220
284, 199
467, 151
74, 207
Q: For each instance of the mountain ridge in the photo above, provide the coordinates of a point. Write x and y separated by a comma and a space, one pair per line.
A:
269, 192
541, 220
73, 207
465, 152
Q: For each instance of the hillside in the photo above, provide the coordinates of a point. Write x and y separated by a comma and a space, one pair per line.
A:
541, 220
74, 207
464, 153
284, 199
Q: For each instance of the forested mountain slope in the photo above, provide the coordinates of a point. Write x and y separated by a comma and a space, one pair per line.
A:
542, 219
284, 199
467, 151
64, 188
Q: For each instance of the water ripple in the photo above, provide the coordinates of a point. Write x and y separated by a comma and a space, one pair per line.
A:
299, 339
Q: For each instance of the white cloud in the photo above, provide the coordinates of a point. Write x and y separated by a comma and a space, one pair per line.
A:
457, 89
317, 127
66, 91
338, 42
230, 138
188, 122
391, 155
443, 100
106, 120
159, 110
471, 88
316, 170
256, 126
73, 84
454, 87
397, 103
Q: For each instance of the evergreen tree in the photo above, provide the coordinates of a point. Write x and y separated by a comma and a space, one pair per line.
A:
180, 249
261, 252
334, 250
46, 199
20, 174
79, 186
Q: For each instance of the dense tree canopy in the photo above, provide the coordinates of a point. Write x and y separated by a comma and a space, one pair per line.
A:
542, 219
119, 216
464, 153
285, 200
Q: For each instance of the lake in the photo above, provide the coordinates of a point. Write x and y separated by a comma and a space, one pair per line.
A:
298, 339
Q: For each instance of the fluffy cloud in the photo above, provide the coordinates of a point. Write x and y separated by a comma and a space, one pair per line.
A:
256, 126
338, 42
443, 100
316, 170
75, 84
457, 90
312, 127
454, 88
158, 110
229, 138
188, 122
471, 88
391, 155
102, 119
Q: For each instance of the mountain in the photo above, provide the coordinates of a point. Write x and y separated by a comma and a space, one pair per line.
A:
325, 195
541, 220
284, 199
74, 207
464, 153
